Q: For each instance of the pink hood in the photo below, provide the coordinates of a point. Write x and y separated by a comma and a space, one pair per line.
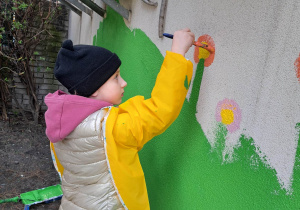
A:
65, 112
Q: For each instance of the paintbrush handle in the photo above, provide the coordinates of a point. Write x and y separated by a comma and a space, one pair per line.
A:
198, 44
168, 35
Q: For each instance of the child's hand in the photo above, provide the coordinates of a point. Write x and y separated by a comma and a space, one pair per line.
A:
182, 41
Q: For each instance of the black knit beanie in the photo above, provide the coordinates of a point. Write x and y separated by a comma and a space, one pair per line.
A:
83, 69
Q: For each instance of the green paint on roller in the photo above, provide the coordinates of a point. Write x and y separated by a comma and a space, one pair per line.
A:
41, 195
46, 194
182, 170
10, 200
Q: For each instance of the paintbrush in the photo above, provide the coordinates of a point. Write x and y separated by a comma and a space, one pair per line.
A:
198, 44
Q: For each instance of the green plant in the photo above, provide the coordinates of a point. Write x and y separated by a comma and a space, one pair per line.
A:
23, 25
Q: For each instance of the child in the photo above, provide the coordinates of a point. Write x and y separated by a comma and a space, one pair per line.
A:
97, 144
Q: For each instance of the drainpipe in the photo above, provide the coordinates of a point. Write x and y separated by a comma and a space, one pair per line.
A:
162, 15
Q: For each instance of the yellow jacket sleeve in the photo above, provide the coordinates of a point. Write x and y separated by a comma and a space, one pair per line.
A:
140, 120
137, 121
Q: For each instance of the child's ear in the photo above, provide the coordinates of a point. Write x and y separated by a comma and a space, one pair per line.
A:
95, 94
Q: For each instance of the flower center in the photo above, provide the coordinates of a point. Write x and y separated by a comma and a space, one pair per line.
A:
203, 53
227, 116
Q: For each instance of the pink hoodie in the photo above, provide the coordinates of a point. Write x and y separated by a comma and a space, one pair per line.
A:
65, 112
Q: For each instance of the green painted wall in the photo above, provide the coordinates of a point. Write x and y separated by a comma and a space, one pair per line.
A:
182, 170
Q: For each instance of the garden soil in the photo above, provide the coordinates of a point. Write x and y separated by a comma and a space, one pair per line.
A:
26, 162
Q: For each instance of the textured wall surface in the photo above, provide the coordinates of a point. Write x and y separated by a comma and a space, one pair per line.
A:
236, 141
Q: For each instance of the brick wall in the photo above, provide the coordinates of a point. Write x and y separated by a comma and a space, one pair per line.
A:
43, 64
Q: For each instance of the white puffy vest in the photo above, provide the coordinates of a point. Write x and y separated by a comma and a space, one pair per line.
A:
86, 182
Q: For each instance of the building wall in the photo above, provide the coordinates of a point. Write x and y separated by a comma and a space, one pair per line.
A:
235, 144
83, 28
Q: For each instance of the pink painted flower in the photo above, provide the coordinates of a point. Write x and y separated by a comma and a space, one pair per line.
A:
229, 113
297, 67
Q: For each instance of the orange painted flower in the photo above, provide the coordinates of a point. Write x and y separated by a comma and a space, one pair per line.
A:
202, 53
